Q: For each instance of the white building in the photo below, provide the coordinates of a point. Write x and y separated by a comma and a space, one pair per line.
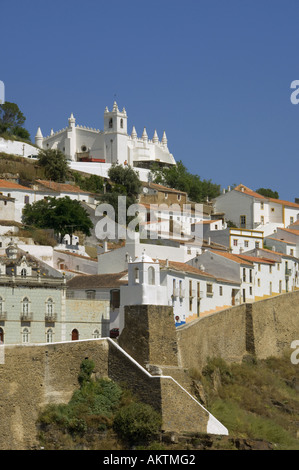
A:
23, 195
111, 145
191, 292
231, 267
249, 210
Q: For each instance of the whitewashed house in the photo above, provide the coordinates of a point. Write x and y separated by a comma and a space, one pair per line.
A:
231, 267
287, 268
248, 209
236, 240
284, 240
191, 292
23, 195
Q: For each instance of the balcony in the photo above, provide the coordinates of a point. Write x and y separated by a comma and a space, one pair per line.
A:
51, 317
3, 316
26, 316
288, 272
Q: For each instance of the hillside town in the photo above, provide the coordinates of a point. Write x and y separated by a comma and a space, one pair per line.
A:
198, 258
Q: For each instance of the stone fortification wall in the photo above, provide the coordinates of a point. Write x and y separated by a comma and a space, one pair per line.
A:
264, 328
32, 376
222, 334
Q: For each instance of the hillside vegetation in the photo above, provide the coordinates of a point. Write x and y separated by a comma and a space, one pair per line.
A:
255, 400
258, 401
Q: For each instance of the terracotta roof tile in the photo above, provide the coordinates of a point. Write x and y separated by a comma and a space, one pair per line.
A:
94, 281
4, 184
232, 257
61, 187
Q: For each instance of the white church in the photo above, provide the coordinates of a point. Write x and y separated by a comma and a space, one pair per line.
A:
108, 146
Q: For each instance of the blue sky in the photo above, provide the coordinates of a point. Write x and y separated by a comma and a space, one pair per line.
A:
214, 74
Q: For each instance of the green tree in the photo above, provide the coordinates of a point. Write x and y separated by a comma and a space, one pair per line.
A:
54, 163
137, 423
12, 120
178, 177
267, 192
125, 180
64, 215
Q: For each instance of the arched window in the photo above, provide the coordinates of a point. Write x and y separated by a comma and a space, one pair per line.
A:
24, 272
110, 123
50, 309
25, 306
25, 335
1, 336
75, 334
136, 275
151, 275
49, 335
122, 123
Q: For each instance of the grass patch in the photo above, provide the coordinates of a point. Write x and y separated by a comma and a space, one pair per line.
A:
255, 399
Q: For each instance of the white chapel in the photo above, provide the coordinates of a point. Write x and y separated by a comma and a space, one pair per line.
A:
111, 145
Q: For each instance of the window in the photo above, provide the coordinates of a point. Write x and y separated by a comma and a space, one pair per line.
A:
24, 272
49, 335
244, 274
262, 219
91, 294
25, 335
243, 220
259, 283
115, 298
25, 306
270, 288
179, 197
250, 275
26, 199
292, 252
246, 243
270, 269
121, 123
1, 336
1, 306
280, 287
257, 244
278, 267
209, 290
96, 334
151, 276
136, 275
272, 209
262, 205
49, 307
259, 267
220, 290
235, 242
110, 123
291, 220
250, 290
